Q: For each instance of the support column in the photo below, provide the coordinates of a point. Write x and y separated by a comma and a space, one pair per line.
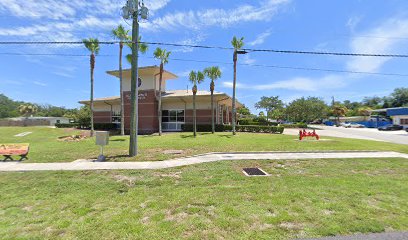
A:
227, 117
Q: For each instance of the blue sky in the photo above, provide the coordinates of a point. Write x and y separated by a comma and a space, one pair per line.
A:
366, 26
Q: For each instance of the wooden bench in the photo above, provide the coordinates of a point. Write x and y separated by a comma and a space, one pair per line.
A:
9, 150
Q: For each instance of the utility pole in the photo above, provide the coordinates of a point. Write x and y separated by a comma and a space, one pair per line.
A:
131, 10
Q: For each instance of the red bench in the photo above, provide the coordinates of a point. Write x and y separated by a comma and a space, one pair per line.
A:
304, 134
9, 150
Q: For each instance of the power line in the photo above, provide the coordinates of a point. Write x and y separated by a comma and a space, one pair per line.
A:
51, 54
216, 62
289, 67
228, 48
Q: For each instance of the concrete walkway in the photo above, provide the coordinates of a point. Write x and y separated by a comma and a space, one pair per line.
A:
372, 236
211, 157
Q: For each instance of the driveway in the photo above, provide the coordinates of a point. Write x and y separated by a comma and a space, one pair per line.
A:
400, 137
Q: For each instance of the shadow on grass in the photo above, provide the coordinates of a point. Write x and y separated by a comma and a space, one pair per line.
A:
225, 136
118, 140
115, 157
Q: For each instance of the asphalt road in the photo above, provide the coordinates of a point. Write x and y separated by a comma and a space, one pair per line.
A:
400, 137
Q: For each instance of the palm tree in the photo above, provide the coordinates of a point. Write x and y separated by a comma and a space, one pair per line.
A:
237, 44
122, 34
212, 73
163, 56
143, 47
195, 78
339, 111
92, 44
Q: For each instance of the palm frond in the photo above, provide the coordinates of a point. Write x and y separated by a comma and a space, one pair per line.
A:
120, 33
213, 72
237, 43
92, 44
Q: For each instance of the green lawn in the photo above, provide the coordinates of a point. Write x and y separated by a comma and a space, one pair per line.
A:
307, 198
46, 148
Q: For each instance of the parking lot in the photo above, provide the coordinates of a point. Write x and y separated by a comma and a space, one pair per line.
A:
400, 137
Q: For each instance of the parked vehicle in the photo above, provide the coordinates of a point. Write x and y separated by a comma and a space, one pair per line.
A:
391, 127
346, 125
406, 129
356, 125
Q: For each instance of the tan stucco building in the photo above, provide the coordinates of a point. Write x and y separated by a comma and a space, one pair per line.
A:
177, 105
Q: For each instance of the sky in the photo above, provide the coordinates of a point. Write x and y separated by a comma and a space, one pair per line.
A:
357, 26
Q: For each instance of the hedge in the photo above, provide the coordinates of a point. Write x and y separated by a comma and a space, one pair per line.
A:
259, 129
260, 123
238, 128
206, 128
97, 126
66, 125
295, 125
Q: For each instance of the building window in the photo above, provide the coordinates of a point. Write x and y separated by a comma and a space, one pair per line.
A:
404, 121
172, 120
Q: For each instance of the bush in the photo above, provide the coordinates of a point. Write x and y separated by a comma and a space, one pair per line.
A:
106, 126
296, 125
239, 128
257, 121
260, 129
66, 125
206, 128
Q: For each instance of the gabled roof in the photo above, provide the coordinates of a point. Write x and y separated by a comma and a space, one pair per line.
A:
153, 69
174, 94
105, 99
186, 93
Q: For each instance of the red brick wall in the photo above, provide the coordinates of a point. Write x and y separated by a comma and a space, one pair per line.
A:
102, 117
203, 116
148, 116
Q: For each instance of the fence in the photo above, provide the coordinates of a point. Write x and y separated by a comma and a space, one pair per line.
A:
24, 123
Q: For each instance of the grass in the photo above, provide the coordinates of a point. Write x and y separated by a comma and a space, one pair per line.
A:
46, 148
309, 198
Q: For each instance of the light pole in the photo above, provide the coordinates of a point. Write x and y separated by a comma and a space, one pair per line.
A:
234, 108
131, 10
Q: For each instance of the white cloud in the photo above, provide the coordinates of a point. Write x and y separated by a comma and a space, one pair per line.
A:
385, 38
216, 17
190, 41
40, 84
63, 9
260, 39
298, 84
184, 73
352, 22
248, 60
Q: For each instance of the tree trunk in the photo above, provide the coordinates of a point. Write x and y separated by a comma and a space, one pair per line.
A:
233, 93
122, 100
92, 93
212, 107
160, 99
194, 111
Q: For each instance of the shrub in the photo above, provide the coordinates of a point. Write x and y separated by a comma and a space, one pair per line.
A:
296, 125
239, 128
260, 129
105, 126
206, 128
66, 125
256, 122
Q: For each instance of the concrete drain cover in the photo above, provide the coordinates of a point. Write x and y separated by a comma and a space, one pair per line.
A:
251, 172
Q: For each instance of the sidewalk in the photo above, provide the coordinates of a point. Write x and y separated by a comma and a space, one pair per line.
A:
371, 236
210, 157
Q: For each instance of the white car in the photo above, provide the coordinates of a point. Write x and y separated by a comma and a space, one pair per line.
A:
346, 125
356, 125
